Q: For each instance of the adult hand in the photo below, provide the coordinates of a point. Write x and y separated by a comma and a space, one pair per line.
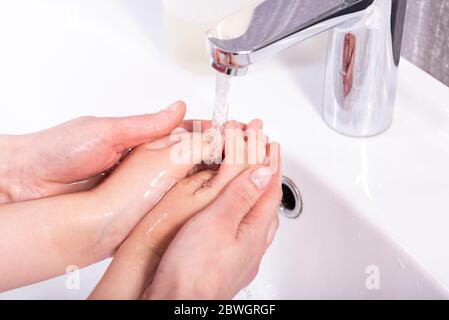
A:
218, 252
73, 156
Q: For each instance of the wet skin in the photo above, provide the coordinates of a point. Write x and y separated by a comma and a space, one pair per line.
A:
136, 261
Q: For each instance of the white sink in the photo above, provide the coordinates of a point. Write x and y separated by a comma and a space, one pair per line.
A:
332, 252
376, 208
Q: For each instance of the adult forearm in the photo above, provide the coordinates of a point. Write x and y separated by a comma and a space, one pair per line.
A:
40, 239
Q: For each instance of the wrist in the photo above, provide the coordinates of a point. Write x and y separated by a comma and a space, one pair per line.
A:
86, 222
11, 168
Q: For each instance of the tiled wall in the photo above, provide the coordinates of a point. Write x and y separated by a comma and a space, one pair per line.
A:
426, 36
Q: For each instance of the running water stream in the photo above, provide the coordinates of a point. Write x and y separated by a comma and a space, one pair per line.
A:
222, 96
220, 111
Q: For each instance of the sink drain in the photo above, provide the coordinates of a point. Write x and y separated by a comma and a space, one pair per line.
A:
291, 203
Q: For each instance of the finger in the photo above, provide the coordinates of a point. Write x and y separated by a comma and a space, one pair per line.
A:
230, 168
256, 142
259, 221
272, 231
202, 167
204, 126
195, 182
161, 143
196, 125
201, 125
260, 218
191, 149
240, 196
235, 146
156, 236
167, 141
131, 131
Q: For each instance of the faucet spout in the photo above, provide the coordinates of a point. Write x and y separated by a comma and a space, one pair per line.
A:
272, 26
363, 54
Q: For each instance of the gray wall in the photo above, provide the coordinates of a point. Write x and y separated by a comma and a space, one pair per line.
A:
426, 37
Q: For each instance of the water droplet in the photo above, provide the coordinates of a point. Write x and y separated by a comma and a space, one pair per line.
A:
108, 214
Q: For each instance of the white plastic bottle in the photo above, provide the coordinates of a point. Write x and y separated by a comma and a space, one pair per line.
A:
186, 24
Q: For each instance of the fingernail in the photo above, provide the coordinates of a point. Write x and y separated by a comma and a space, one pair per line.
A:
261, 177
173, 107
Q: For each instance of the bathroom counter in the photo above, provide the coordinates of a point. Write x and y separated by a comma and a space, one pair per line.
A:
106, 58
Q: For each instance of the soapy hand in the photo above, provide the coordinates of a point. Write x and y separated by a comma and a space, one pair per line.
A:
75, 155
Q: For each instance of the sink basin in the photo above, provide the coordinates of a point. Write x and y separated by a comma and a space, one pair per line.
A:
332, 252
376, 211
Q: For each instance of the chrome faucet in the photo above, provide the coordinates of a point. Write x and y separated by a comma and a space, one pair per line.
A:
363, 53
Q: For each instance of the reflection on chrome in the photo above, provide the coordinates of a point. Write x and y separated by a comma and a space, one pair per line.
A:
363, 54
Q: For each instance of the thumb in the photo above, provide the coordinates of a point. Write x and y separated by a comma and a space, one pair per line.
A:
128, 132
241, 195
